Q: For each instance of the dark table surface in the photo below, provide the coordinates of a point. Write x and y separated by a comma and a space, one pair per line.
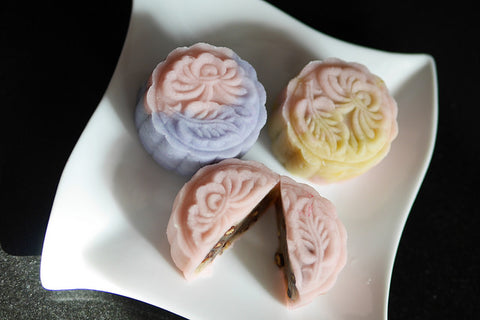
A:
56, 60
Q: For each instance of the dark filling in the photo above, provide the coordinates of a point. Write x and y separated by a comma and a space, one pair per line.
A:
237, 230
281, 256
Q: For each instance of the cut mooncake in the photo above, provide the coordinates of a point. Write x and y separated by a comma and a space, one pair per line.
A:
200, 105
312, 242
221, 202
334, 121
216, 206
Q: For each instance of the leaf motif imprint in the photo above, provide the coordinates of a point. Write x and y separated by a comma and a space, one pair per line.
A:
216, 129
313, 241
322, 120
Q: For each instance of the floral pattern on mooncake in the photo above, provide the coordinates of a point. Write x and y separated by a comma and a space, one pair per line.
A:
335, 121
219, 203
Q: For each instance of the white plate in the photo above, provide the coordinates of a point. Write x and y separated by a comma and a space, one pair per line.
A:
107, 226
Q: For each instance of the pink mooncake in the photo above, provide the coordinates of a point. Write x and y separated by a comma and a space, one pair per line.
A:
216, 206
222, 200
201, 104
335, 121
312, 242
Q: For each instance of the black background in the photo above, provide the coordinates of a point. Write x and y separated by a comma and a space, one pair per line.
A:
56, 58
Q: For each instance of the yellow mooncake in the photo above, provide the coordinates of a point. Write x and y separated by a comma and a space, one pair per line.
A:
334, 121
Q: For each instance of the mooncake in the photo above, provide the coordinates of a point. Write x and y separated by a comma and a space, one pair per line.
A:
200, 105
312, 242
214, 208
222, 200
334, 121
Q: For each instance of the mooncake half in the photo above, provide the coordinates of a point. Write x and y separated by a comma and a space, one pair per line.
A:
221, 201
312, 242
216, 206
200, 105
335, 121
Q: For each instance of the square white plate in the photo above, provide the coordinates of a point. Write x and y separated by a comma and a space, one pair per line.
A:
108, 221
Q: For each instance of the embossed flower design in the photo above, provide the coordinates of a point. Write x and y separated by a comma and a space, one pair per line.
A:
200, 83
206, 78
226, 192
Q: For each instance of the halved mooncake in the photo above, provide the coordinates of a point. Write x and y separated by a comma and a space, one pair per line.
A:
312, 242
223, 200
201, 104
217, 205
335, 121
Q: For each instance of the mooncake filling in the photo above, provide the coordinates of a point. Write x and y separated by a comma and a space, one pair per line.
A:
282, 258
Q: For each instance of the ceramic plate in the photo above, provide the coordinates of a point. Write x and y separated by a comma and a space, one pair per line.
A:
108, 221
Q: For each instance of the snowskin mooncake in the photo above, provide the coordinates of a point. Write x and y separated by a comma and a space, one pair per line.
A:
201, 104
224, 199
335, 121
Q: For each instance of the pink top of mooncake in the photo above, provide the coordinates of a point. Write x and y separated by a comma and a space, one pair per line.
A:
316, 240
197, 84
217, 197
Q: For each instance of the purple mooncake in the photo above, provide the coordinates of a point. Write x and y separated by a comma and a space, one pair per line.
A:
202, 104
